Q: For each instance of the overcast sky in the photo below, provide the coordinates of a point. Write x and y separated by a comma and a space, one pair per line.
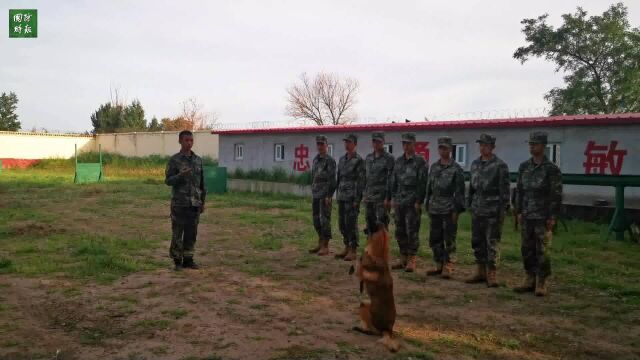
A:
412, 58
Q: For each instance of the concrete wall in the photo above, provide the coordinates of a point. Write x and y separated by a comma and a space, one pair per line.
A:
18, 145
156, 143
510, 146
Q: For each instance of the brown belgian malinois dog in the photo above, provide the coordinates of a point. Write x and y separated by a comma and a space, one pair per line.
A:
373, 271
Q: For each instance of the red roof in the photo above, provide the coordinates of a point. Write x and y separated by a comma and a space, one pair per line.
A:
550, 121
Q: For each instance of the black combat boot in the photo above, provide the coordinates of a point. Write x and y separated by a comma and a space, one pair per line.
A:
177, 264
189, 263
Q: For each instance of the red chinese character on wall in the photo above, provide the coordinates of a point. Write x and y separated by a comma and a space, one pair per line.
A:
603, 157
422, 148
301, 154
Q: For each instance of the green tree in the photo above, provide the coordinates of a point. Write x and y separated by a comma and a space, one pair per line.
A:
116, 117
154, 125
8, 117
133, 117
599, 55
108, 118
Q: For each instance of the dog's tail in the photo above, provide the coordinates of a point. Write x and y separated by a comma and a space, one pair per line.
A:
389, 341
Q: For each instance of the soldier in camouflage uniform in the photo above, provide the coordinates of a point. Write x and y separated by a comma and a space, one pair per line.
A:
538, 202
408, 186
489, 194
377, 193
350, 185
323, 185
445, 201
184, 174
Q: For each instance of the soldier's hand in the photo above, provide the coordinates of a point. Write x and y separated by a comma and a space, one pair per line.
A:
185, 172
201, 208
551, 223
327, 201
454, 217
418, 206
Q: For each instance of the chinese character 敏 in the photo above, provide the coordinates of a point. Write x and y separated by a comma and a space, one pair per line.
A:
603, 157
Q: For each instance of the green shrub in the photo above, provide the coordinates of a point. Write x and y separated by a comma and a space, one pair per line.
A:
275, 175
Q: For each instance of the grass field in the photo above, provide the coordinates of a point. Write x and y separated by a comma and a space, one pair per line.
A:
84, 273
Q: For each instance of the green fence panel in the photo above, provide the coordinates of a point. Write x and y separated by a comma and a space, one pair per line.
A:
88, 173
0, 165
215, 179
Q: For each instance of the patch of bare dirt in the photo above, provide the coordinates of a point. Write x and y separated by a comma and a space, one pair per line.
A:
31, 228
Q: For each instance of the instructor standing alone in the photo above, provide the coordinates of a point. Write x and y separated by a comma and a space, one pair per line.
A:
185, 176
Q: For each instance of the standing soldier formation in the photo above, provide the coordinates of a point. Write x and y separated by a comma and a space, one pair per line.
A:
323, 185
489, 194
377, 192
351, 182
405, 183
408, 185
538, 201
445, 201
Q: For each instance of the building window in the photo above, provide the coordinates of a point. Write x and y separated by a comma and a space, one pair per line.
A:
238, 150
330, 149
278, 152
388, 148
553, 153
460, 153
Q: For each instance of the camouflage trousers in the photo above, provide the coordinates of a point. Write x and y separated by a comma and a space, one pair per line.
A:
442, 237
535, 253
407, 220
486, 232
348, 222
184, 228
375, 214
322, 218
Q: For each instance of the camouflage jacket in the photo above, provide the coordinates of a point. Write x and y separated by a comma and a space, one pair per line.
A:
489, 187
186, 190
323, 176
445, 188
409, 180
351, 178
539, 191
379, 171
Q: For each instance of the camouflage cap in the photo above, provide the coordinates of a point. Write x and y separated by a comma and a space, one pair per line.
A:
351, 137
409, 137
377, 135
486, 139
321, 139
445, 141
538, 137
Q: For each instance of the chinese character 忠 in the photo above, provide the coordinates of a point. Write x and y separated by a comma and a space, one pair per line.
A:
301, 155
603, 157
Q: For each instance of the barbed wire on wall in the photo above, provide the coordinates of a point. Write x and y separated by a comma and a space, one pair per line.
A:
451, 116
